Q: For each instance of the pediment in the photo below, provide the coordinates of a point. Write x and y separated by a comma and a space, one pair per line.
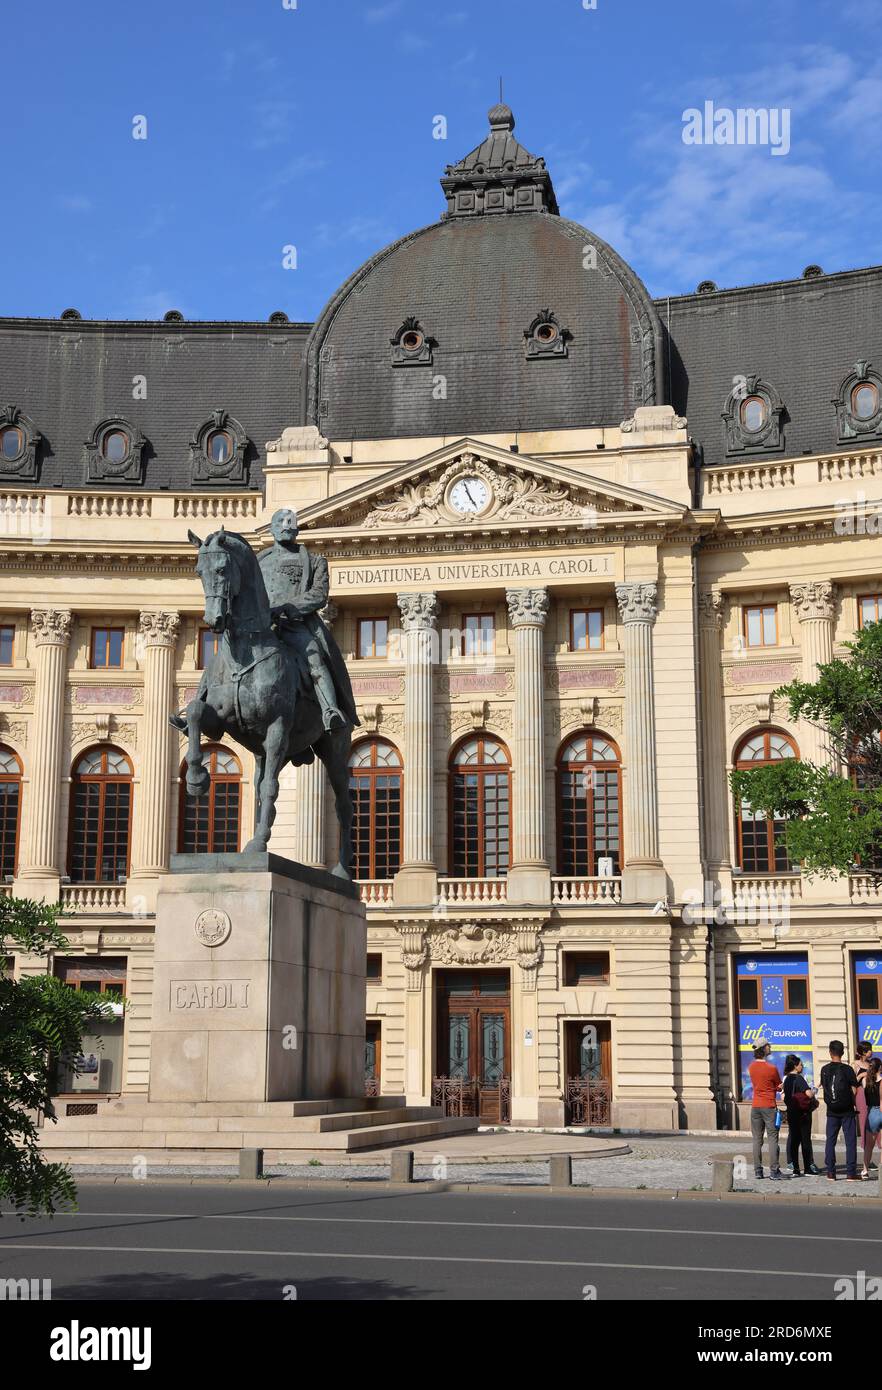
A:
508, 489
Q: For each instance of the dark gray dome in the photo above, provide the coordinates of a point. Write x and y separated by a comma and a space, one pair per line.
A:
444, 332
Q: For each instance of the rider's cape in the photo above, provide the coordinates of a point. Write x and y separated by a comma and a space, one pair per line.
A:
313, 590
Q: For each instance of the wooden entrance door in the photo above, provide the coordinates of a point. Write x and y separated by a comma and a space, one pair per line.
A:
474, 1036
588, 1059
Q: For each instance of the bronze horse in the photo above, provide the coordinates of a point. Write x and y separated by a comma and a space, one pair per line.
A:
256, 691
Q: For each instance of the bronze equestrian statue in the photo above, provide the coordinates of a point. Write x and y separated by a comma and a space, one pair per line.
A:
278, 684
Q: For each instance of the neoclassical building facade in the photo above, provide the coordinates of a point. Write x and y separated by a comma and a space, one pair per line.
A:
576, 539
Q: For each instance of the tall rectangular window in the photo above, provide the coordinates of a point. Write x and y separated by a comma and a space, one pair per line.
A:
373, 636
7, 645
869, 608
478, 634
107, 648
586, 629
761, 625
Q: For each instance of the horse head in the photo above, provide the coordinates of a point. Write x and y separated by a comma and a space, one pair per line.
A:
231, 579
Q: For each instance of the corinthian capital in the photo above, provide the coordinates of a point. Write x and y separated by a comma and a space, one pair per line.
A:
814, 600
527, 607
51, 626
637, 602
710, 609
159, 629
419, 612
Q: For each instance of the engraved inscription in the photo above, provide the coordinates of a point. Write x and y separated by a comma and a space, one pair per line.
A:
210, 994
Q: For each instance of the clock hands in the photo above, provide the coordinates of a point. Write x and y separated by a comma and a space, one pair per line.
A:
469, 495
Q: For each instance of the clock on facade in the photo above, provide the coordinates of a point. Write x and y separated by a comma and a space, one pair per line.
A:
469, 496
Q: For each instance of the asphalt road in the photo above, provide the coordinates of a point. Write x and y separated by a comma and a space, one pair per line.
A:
211, 1241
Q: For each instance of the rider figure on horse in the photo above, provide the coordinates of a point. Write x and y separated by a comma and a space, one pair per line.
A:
297, 586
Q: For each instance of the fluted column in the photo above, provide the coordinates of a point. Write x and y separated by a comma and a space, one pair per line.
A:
417, 877
644, 878
529, 877
157, 637
815, 606
713, 738
39, 873
312, 781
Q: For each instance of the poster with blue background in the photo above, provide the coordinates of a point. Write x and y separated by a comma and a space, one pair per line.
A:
773, 1006
868, 998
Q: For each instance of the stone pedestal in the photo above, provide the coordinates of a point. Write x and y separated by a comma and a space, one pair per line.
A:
259, 982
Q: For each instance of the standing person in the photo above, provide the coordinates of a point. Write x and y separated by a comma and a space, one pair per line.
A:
870, 1088
799, 1099
862, 1056
839, 1084
766, 1082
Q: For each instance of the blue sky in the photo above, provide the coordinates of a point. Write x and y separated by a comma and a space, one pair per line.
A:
313, 127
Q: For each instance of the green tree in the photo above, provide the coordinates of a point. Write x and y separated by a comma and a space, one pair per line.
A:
41, 1019
832, 818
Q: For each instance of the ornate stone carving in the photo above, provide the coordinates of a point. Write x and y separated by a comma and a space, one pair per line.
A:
770, 433
51, 626
590, 713
758, 711
298, 439
102, 464
419, 612
101, 728
516, 495
414, 953
14, 729
527, 607
22, 465
159, 629
653, 417
470, 943
546, 337
813, 600
851, 425
411, 346
710, 609
213, 927
205, 467
637, 602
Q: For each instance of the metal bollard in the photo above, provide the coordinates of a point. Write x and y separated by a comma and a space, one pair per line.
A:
251, 1163
723, 1175
401, 1165
560, 1170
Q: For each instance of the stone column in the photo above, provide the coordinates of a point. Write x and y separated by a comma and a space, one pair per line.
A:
417, 881
644, 878
529, 879
814, 605
717, 861
311, 792
40, 873
157, 636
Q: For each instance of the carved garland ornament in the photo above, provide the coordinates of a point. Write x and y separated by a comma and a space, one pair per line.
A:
516, 496
469, 943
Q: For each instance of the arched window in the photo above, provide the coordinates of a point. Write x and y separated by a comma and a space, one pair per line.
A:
589, 797
210, 824
375, 785
10, 810
100, 817
480, 801
760, 840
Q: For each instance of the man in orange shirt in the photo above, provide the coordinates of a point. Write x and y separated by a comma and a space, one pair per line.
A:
766, 1082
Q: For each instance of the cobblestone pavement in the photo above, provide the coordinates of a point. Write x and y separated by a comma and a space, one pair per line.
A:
682, 1164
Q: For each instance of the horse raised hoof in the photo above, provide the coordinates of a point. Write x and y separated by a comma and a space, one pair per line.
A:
198, 783
178, 721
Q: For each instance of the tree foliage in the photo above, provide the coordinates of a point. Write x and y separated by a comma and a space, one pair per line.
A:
832, 816
41, 1020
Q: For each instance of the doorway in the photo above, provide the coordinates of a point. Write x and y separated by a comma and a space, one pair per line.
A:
473, 1048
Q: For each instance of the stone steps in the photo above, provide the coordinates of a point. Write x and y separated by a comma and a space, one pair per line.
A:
190, 1131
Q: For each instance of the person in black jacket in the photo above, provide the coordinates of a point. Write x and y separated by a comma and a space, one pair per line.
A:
799, 1098
839, 1084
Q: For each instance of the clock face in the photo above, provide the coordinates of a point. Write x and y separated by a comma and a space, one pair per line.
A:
469, 495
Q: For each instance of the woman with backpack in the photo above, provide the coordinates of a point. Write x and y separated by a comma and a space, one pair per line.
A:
871, 1082
799, 1098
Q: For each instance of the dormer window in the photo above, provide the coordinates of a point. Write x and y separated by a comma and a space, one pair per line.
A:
114, 450
411, 346
218, 450
19, 438
546, 337
858, 403
753, 416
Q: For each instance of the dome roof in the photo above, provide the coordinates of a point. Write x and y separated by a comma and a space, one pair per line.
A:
501, 316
